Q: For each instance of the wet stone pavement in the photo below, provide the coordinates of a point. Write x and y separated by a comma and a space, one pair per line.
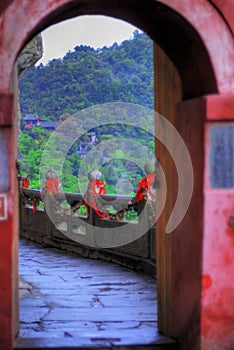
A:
66, 301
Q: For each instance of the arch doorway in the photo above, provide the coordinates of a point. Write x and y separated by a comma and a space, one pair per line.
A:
188, 42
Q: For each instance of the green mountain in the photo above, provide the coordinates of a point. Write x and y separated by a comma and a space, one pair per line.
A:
86, 77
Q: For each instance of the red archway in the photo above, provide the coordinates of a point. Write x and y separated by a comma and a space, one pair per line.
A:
174, 26
204, 60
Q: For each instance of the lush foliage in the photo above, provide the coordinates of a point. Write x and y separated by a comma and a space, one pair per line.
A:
83, 78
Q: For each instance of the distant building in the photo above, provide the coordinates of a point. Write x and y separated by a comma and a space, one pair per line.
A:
50, 126
32, 120
92, 137
83, 148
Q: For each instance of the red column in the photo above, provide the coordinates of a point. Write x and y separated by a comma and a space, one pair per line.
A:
218, 244
8, 213
187, 239
202, 255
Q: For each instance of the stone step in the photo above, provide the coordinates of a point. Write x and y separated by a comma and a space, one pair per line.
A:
97, 342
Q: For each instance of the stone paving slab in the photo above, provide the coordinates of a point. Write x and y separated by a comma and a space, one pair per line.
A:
110, 314
69, 300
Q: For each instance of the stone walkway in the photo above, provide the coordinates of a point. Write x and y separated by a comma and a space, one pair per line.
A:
71, 301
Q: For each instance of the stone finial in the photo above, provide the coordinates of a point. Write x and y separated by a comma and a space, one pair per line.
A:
150, 167
95, 174
51, 174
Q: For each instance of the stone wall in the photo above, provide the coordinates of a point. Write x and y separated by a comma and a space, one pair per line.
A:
138, 255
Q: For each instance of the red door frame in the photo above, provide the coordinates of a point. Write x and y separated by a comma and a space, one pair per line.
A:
202, 72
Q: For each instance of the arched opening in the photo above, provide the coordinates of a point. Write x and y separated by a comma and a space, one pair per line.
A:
198, 78
79, 55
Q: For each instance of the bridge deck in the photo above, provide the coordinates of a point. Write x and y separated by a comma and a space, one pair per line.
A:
70, 301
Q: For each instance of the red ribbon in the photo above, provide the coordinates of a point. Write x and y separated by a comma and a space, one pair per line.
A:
95, 188
24, 182
98, 187
52, 185
146, 183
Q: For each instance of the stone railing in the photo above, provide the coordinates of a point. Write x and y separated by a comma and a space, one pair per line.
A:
61, 226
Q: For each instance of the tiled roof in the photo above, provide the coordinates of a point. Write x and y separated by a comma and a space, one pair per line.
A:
48, 124
31, 117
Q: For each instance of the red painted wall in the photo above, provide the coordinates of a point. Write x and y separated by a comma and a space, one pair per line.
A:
4, 4
218, 264
8, 238
226, 7
202, 289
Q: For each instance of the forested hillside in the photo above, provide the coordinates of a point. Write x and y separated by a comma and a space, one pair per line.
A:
83, 78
